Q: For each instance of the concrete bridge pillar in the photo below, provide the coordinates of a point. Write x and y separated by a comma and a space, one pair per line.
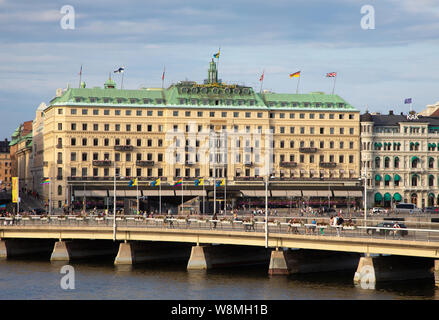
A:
378, 268
436, 272
365, 274
199, 259
60, 252
278, 263
3, 250
125, 254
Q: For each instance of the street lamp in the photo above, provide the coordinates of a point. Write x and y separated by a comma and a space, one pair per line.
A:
365, 193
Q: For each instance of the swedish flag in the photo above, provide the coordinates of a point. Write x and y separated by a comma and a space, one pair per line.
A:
221, 183
199, 182
216, 55
155, 182
132, 183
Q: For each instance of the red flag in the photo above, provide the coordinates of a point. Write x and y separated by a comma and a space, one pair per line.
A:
80, 71
163, 75
262, 77
331, 74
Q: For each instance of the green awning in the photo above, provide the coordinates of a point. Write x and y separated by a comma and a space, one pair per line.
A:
433, 145
397, 197
417, 143
414, 158
387, 177
378, 177
387, 197
411, 143
429, 145
397, 177
378, 197
431, 195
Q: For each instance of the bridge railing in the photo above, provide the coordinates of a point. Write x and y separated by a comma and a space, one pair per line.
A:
418, 231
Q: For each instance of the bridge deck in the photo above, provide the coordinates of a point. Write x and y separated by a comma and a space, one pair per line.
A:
351, 243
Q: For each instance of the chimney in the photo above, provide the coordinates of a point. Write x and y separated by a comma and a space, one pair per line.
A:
390, 112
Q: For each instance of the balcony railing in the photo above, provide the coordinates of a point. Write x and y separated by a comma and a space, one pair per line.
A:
248, 163
123, 148
328, 164
249, 178
102, 163
144, 163
308, 150
290, 164
59, 161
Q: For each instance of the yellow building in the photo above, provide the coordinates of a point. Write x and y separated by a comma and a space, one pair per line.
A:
308, 144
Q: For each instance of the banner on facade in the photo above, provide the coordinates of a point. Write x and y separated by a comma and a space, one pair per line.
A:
14, 189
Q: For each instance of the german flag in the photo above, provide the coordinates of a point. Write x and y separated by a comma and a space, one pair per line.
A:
295, 74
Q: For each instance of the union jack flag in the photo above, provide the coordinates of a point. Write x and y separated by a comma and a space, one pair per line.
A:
331, 74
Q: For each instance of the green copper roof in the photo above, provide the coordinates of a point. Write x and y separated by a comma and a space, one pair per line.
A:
211, 94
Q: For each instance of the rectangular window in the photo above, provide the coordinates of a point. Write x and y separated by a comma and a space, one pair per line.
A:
84, 112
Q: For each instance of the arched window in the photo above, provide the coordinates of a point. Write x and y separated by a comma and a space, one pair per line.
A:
414, 180
430, 180
415, 161
430, 163
386, 162
60, 190
59, 145
396, 162
377, 162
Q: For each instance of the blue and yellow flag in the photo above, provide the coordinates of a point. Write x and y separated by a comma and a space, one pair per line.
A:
199, 182
133, 183
155, 183
216, 55
221, 183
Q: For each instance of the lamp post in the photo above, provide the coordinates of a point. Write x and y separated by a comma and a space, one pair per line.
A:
365, 194
114, 202
266, 211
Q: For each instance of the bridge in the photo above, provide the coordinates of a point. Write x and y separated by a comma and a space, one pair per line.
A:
206, 243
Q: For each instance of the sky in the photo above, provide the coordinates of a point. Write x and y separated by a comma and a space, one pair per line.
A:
382, 55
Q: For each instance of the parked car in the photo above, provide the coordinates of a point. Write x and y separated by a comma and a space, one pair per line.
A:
432, 210
377, 210
378, 229
39, 211
407, 208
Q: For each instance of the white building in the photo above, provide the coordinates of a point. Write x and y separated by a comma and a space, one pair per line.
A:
401, 153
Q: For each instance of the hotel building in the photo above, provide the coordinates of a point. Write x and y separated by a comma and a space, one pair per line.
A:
307, 144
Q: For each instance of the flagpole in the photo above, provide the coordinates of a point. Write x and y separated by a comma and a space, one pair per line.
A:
262, 81
50, 196
18, 195
114, 203
160, 196
137, 192
335, 79
163, 76
80, 77
214, 189
121, 85
298, 81
182, 211
204, 203
217, 65
225, 195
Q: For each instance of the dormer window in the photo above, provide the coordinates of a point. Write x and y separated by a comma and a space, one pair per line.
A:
132, 100
119, 100
92, 99
78, 99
